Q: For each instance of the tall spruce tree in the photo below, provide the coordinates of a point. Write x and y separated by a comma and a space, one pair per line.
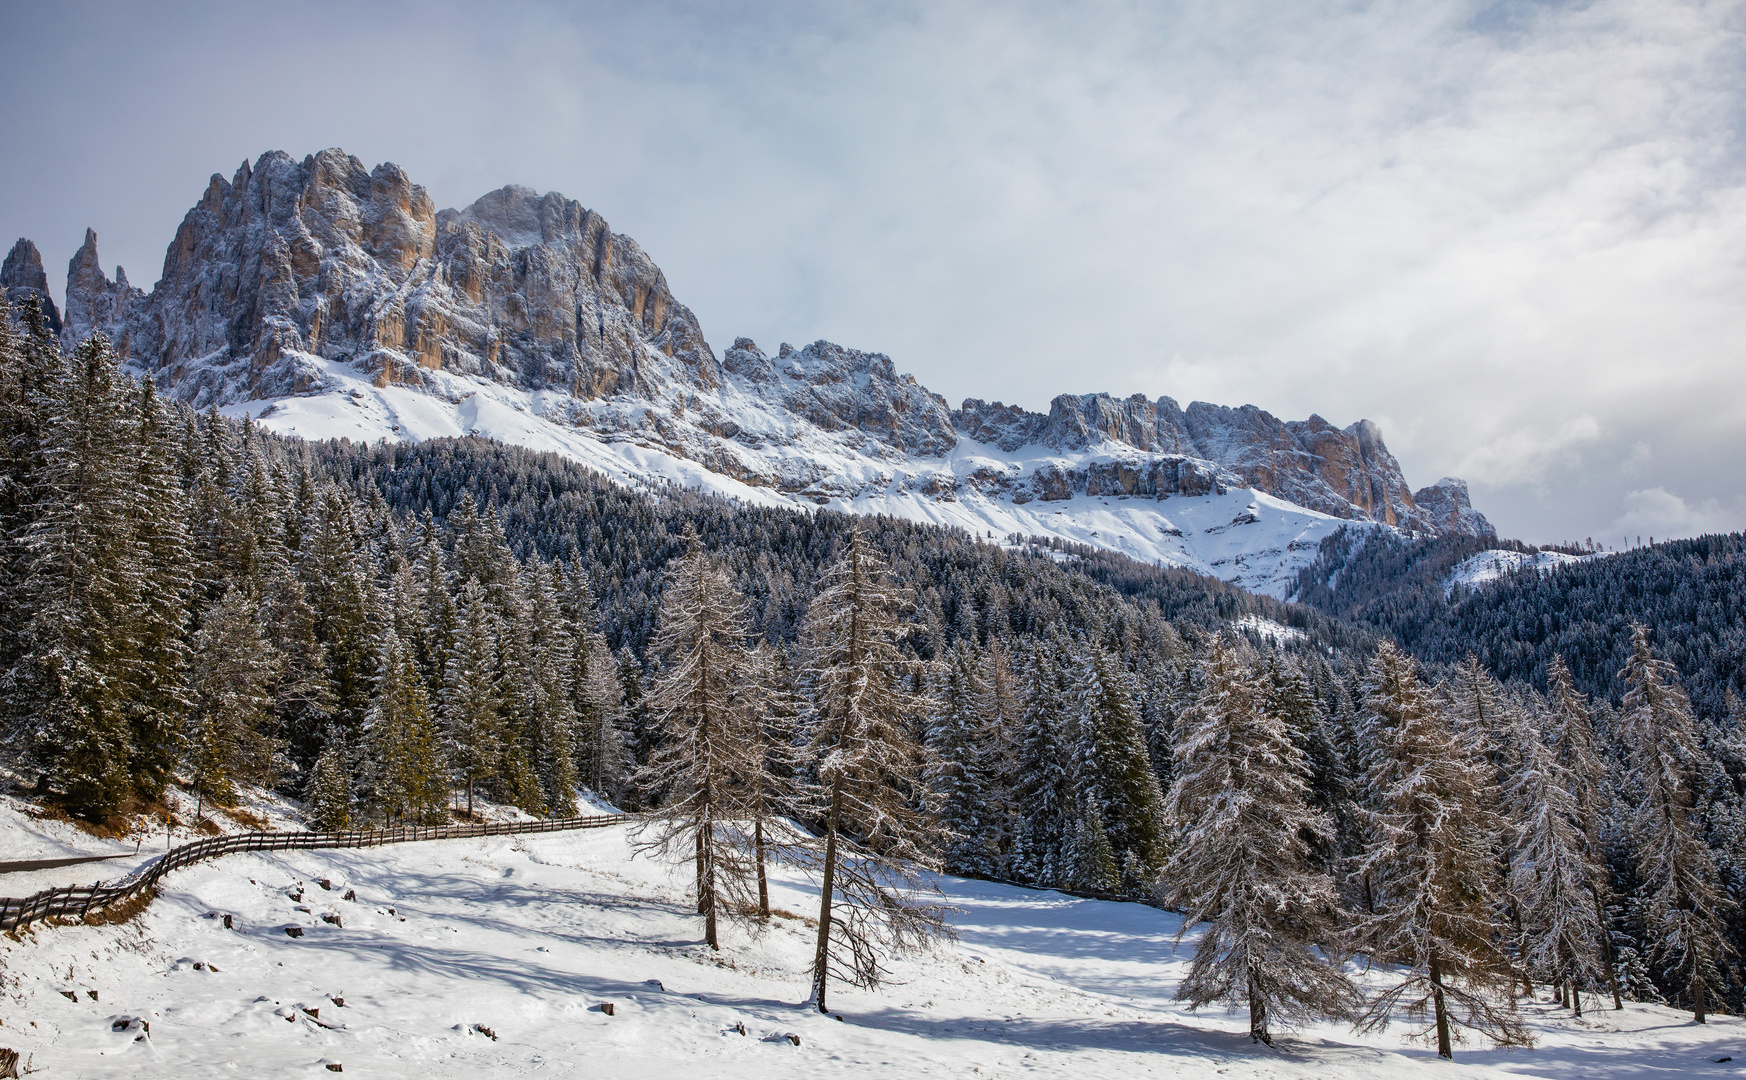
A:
233, 671
878, 839
709, 745
1245, 864
84, 589
1576, 751
1042, 792
960, 773
1684, 909
406, 778
1553, 875
1431, 820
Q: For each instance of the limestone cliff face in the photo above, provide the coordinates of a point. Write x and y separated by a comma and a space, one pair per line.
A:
294, 276
1344, 472
289, 264
22, 278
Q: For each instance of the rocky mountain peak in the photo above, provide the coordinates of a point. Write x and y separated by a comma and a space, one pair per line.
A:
22, 277
326, 297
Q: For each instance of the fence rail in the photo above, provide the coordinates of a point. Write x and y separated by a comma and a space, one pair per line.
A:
81, 900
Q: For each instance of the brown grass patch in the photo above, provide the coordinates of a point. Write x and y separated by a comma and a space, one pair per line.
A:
124, 911
248, 818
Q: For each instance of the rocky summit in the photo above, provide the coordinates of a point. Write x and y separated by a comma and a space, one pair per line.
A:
329, 299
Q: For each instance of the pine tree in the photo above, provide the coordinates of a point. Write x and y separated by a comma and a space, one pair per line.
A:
1575, 751
233, 672
162, 690
1553, 875
1685, 908
554, 721
1429, 862
83, 590
767, 786
708, 746
470, 704
1246, 862
1042, 793
343, 593
329, 790
402, 743
960, 773
1112, 764
870, 774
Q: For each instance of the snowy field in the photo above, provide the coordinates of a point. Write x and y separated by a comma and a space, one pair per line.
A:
1489, 566
527, 936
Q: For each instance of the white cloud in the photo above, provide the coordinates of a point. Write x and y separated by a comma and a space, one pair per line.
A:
1657, 512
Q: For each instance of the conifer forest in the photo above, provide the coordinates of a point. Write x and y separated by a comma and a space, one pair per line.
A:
1537, 786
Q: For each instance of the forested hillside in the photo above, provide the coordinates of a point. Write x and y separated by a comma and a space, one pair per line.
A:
386, 631
1691, 594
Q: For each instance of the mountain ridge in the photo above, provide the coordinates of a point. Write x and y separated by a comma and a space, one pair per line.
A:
295, 284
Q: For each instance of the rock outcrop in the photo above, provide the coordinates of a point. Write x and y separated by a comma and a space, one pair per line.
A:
22, 279
293, 276
1344, 472
292, 264
1446, 505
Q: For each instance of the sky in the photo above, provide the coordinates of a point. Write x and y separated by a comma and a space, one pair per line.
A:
1512, 234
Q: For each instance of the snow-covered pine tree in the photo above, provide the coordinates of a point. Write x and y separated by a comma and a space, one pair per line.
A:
516, 780
162, 695
83, 589
1553, 873
1575, 749
554, 721
1685, 908
709, 745
1000, 712
878, 840
1042, 793
231, 679
1293, 700
1431, 822
959, 773
1112, 763
1246, 859
402, 743
328, 792
767, 791
342, 590
470, 704
603, 758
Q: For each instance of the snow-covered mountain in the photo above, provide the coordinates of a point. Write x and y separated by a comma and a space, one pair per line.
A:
326, 299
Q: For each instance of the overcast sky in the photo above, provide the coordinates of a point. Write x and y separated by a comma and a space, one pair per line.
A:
1514, 235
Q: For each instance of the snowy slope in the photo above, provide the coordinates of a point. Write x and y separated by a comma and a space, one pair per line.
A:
526, 936
1489, 566
1240, 535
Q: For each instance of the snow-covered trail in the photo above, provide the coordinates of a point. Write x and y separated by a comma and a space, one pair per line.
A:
526, 936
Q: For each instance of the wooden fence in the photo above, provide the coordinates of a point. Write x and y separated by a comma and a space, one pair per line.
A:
81, 900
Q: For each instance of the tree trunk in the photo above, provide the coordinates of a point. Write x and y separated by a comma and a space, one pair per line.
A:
706, 834
469, 798
763, 885
700, 901
1607, 967
822, 957
1697, 1001
1257, 1014
1444, 1047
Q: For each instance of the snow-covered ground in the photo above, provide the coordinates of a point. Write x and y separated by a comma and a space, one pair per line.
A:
1243, 536
1489, 566
528, 936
